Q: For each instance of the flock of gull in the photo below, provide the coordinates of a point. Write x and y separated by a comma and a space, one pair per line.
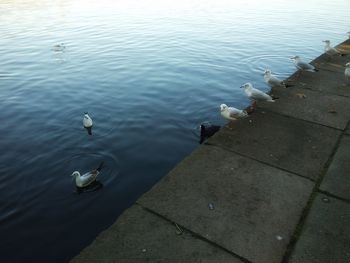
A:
230, 113
255, 95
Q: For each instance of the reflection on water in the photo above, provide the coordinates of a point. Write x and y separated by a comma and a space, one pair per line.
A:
90, 188
150, 72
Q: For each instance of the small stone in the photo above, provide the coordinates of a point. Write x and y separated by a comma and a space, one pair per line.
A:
301, 95
211, 206
279, 238
178, 229
325, 199
144, 250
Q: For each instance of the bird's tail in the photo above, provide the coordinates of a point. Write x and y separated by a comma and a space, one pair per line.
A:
274, 98
244, 114
286, 84
100, 166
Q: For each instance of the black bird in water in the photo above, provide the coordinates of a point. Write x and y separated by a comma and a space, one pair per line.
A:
208, 131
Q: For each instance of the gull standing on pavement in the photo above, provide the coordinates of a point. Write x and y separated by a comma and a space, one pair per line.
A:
231, 113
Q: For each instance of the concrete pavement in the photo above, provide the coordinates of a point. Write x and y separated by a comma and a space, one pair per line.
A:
274, 187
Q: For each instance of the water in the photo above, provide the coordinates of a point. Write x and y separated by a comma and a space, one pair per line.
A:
148, 72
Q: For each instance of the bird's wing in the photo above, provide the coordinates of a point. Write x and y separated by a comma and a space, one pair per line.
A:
235, 113
259, 95
305, 66
227, 114
88, 177
334, 51
275, 81
87, 122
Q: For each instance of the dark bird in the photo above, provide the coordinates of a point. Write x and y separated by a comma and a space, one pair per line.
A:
208, 131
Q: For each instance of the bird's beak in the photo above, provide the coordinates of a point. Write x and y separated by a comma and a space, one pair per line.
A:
242, 86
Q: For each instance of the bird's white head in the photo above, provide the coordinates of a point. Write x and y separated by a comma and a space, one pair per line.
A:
247, 85
75, 174
223, 107
347, 65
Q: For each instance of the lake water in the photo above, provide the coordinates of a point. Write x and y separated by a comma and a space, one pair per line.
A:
148, 72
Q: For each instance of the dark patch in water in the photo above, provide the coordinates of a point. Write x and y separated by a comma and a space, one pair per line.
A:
90, 188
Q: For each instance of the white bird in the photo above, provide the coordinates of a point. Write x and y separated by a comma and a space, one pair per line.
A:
87, 178
347, 72
232, 113
87, 122
331, 51
255, 94
303, 66
272, 81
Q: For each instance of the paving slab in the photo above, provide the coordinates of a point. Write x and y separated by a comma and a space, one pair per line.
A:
334, 63
295, 145
325, 109
347, 131
140, 236
243, 205
322, 81
337, 179
325, 237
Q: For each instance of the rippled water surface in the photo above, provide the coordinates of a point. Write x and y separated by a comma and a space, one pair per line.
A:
148, 72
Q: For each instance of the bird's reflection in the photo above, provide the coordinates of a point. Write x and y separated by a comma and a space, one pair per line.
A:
89, 130
96, 185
